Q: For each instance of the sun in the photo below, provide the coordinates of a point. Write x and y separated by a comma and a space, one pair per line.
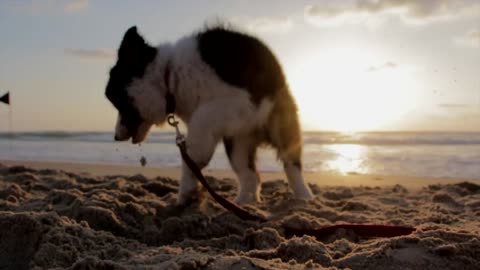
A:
341, 89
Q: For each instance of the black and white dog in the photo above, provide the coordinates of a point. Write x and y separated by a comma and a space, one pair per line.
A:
225, 86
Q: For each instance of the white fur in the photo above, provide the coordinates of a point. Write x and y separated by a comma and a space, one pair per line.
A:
296, 182
211, 108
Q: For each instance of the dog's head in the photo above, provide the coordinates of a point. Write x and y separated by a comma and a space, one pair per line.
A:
133, 89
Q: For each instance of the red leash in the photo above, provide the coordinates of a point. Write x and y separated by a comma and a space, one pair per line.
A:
232, 207
366, 230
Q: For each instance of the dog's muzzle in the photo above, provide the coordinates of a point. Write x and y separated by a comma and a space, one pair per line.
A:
120, 139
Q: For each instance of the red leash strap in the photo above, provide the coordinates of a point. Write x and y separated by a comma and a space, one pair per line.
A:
235, 209
366, 230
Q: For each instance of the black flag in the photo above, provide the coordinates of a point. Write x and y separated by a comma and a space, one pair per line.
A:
5, 98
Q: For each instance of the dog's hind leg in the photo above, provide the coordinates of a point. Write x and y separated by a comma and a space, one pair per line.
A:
285, 135
241, 151
293, 170
289, 149
290, 153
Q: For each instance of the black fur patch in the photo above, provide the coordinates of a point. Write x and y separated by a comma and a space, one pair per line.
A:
134, 55
243, 61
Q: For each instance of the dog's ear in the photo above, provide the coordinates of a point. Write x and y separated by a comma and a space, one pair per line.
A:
132, 35
132, 31
132, 45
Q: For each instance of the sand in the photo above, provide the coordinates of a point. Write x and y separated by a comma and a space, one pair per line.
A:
56, 216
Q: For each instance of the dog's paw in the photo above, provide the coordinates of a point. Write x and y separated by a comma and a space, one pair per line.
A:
247, 198
187, 198
185, 201
304, 194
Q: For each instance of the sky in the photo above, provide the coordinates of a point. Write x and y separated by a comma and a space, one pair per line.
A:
353, 65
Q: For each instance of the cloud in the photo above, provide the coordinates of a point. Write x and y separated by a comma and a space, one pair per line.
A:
36, 7
469, 39
386, 65
75, 5
275, 25
32, 7
97, 54
455, 106
328, 10
333, 14
410, 11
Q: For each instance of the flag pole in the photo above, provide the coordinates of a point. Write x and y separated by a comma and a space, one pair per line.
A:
6, 99
10, 120
10, 124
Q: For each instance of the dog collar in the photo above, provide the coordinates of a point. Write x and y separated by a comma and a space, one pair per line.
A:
169, 98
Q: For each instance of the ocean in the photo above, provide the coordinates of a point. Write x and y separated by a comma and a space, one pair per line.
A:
432, 154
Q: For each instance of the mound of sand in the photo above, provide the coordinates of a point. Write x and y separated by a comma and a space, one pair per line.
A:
53, 219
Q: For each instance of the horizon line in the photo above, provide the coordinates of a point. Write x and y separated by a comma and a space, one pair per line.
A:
303, 131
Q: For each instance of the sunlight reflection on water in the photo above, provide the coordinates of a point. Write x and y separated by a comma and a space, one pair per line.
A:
347, 159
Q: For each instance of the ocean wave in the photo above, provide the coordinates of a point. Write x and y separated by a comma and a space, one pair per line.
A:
166, 137
312, 138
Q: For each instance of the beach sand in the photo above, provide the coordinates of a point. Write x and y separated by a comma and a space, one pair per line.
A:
83, 216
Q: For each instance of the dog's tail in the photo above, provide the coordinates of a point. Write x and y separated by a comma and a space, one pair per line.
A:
284, 128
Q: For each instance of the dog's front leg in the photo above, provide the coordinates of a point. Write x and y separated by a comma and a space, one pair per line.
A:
188, 190
201, 143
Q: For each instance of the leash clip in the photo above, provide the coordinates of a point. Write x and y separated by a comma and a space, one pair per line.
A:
180, 139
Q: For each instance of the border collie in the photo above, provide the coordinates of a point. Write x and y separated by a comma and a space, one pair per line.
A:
224, 85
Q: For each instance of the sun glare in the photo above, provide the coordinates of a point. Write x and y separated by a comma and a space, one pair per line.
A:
350, 89
349, 159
